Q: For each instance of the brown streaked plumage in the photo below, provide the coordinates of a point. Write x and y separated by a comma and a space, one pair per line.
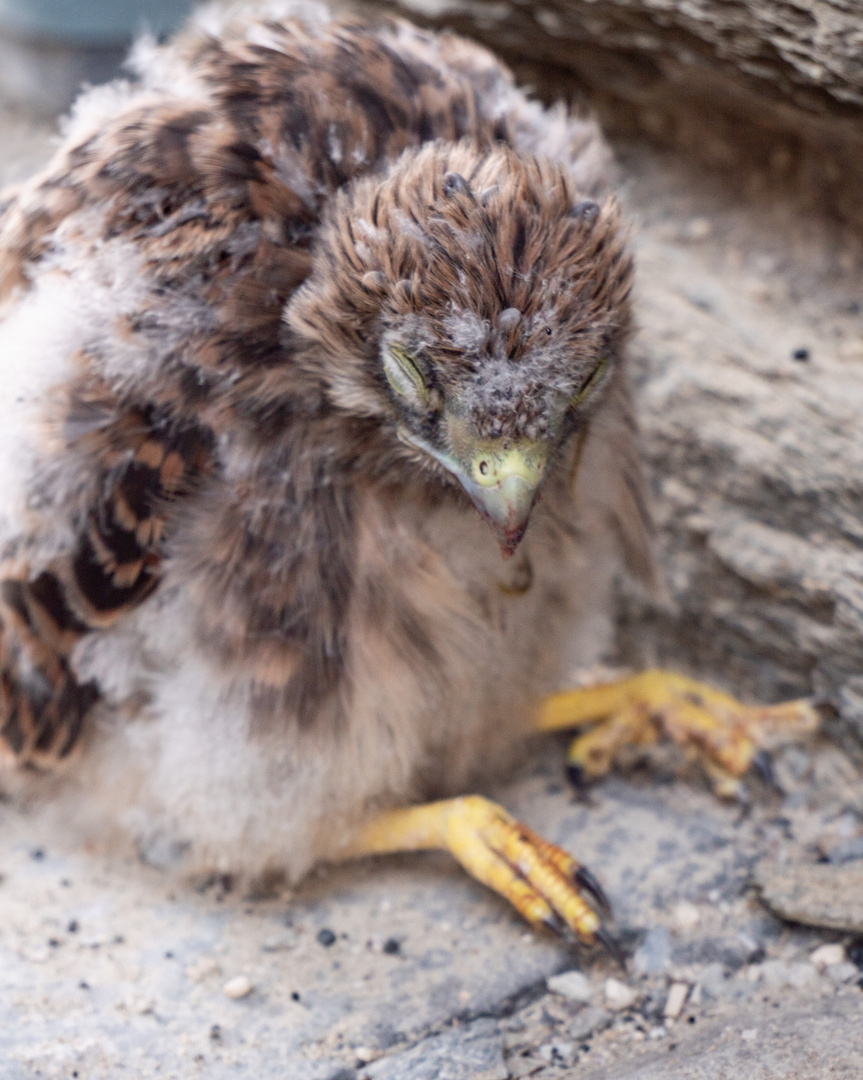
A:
280, 325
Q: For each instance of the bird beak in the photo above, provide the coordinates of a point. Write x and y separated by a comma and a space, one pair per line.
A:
502, 483
501, 477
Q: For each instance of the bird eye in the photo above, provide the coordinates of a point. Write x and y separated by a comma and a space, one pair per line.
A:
591, 383
404, 376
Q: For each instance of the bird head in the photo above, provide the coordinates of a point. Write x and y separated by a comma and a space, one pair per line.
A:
474, 305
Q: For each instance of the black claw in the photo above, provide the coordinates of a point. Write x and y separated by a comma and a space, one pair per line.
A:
586, 881
763, 765
611, 946
556, 925
575, 776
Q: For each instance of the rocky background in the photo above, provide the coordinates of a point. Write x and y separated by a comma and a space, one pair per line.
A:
738, 128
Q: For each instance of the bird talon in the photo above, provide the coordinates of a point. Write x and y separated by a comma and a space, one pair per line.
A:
723, 734
556, 925
587, 882
542, 882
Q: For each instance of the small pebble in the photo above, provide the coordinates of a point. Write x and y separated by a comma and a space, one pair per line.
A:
686, 916
801, 355
677, 996
326, 937
588, 1022
826, 955
556, 1051
618, 995
842, 973
238, 987
573, 985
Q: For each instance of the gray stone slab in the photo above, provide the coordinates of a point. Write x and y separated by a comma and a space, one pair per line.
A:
815, 894
470, 1052
819, 1041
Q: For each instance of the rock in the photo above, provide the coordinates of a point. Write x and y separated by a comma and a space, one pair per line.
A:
588, 1022
686, 916
677, 996
809, 1040
558, 1052
842, 973
736, 83
827, 955
571, 984
471, 1052
619, 996
238, 987
846, 851
816, 895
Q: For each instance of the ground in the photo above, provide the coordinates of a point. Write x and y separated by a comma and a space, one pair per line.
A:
404, 969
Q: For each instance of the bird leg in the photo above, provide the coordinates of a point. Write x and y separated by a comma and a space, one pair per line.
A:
544, 884
724, 735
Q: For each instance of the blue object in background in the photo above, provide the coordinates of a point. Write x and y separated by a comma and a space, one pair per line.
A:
90, 22
48, 48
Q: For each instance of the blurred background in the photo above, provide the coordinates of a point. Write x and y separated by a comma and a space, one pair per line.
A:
48, 48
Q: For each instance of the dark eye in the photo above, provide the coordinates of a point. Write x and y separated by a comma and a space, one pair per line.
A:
592, 382
404, 376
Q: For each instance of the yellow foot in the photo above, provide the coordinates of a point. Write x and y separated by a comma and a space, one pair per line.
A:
544, 884
726, 736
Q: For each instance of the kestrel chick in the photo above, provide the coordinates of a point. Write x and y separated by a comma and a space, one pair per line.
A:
317, 460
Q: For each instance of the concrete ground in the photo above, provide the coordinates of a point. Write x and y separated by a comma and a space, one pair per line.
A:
404, 969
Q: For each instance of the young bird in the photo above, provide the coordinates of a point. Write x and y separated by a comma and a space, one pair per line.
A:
299, 332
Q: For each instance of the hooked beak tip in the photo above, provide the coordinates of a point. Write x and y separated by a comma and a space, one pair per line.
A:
507, 509
509, 539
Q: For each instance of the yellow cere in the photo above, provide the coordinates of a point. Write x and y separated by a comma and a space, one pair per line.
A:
492, 465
